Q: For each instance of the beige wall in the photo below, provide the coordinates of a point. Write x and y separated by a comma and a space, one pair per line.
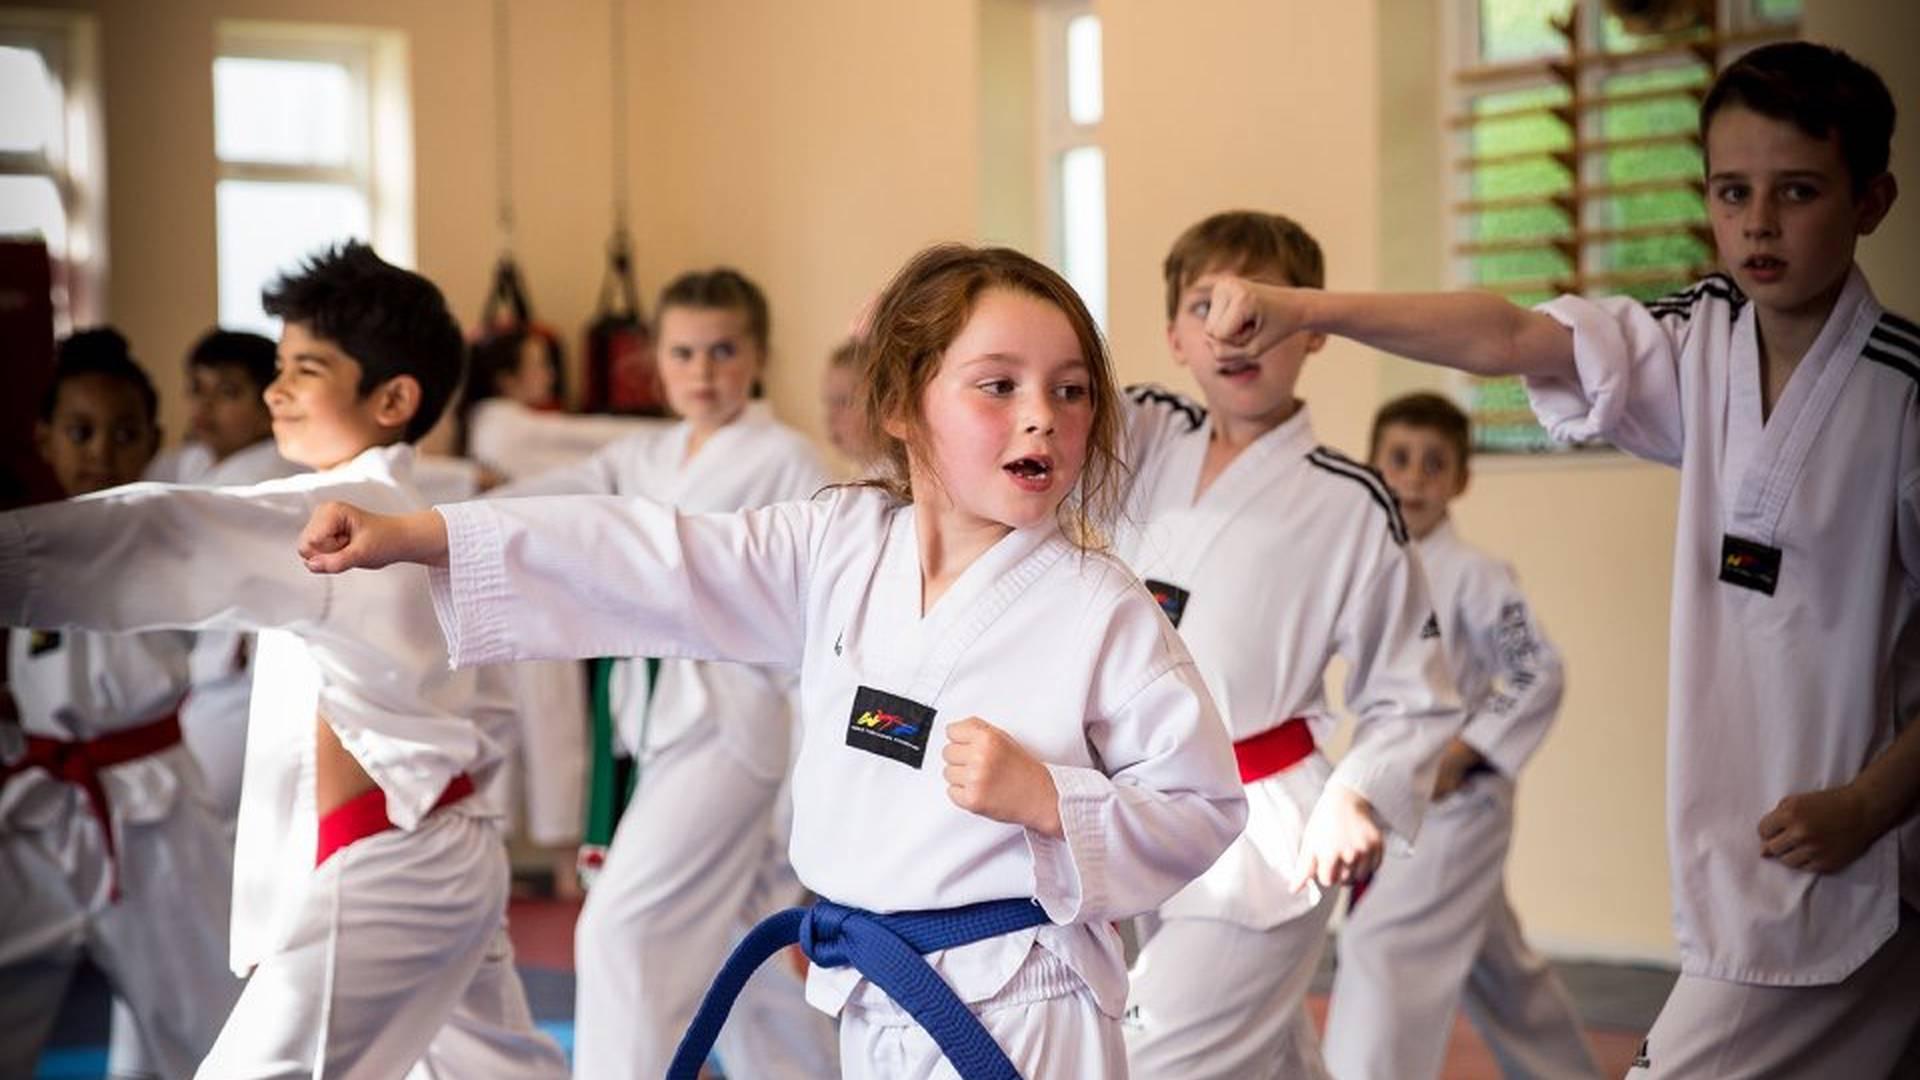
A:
816, 145
813, 145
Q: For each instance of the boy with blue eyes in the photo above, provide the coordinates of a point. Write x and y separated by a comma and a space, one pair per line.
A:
1789, 400
1271, 555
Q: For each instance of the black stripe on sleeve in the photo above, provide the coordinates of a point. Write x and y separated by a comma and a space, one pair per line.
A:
1901, 362
1906, 326
1680, 304
1893, 337
1340, 465
1148, 393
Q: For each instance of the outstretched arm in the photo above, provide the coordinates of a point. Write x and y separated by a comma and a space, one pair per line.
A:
1474, 332
155, 556
573, 577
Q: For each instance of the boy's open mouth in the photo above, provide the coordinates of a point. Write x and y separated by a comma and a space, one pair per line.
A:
1231, 368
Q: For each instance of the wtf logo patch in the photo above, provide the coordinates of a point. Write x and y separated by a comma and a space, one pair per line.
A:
1171, 598
889, 725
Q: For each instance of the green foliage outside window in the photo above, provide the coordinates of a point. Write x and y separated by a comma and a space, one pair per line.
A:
1518, 30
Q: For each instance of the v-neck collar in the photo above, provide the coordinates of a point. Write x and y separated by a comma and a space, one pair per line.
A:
983, 591
1765, 456
1292, 435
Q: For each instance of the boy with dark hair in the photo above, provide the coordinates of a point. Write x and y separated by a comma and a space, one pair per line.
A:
228, 372
108, 844
1789, 400
1271, 555
1436, 932
370, 881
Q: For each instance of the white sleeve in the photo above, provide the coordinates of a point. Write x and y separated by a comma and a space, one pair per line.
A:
1510, 723
153, 556
1399, 689
576, 577
1627, 384
597, 474
1167, 800
522, 442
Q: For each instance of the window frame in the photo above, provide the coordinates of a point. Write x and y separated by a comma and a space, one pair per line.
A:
68, 45
379, 165
1057, 133
1592, 266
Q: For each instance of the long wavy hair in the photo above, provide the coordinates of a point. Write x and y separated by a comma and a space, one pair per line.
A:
921, 313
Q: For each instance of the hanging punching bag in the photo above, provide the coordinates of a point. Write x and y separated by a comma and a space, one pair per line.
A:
621, 376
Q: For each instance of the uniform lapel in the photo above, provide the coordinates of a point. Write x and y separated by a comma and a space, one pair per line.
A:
1780, 449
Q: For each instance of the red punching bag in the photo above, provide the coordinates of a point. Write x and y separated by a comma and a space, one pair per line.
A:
621, 375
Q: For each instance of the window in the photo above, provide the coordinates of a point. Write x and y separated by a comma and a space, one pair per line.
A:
50, 154
311, 133
1578, 162
1072, 98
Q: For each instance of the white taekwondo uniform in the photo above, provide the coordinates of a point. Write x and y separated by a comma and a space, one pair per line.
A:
678, 886
1292, 556
1436, 930
1796, 659
214, 716
394, 950
1060, 648
148, 903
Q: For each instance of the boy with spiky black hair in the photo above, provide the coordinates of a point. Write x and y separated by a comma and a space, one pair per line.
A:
370, 881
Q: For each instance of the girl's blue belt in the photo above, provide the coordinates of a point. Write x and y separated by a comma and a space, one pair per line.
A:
887, 949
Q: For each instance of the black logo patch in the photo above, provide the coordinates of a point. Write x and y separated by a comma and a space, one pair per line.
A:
890, 726
1431, 628
1749, 565
1171, 598
42, 641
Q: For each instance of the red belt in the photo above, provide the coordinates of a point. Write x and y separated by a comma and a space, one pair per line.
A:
1278, 750
80, 763
365, 815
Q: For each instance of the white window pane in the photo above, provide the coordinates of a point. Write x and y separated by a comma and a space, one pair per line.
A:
1083, 216
267, 228
30, 115
292, 112
30, 205
1085, 97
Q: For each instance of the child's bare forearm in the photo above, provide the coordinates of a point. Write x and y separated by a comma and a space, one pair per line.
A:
1890, 784
1473, 332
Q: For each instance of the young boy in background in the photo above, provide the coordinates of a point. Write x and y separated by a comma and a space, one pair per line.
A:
1436, 931
1272, 555
109, 844
228, 372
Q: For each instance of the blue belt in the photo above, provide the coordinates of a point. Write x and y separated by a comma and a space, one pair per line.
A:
888, 950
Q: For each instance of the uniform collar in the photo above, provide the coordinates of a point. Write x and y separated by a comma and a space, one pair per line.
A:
389, 463
1294, 435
